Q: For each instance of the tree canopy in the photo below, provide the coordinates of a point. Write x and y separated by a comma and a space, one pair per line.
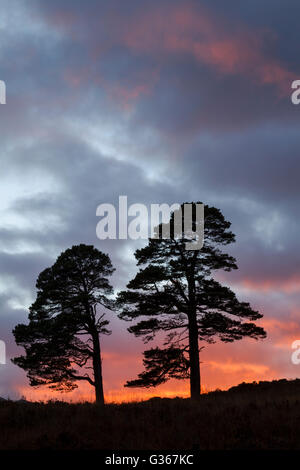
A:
61, 340
175, 295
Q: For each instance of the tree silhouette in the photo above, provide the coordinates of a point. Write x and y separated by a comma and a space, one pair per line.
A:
62, 340
175, 293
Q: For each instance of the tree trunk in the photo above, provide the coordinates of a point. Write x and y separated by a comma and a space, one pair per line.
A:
195, 384
97, 366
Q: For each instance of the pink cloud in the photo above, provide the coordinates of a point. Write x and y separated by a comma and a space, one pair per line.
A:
227, 47
196, 32
287, 286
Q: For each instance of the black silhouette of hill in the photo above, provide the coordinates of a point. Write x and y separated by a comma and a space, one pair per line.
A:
264, 415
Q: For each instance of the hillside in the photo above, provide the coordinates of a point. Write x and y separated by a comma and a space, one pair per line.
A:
250, 416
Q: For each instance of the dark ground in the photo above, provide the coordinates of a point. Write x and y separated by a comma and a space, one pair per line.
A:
251, 416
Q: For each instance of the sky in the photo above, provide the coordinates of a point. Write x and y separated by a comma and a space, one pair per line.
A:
166, 102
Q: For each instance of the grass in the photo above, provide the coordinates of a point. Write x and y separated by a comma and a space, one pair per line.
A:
261, 416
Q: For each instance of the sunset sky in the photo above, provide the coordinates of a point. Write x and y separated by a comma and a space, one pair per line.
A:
162, 101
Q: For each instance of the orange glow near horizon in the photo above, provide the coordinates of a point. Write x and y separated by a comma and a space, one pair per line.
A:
223, 365
215, 375
85, 394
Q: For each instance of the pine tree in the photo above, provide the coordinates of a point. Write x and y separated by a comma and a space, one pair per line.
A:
174, 294
62, 338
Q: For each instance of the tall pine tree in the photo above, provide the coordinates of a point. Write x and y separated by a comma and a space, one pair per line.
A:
174, 293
